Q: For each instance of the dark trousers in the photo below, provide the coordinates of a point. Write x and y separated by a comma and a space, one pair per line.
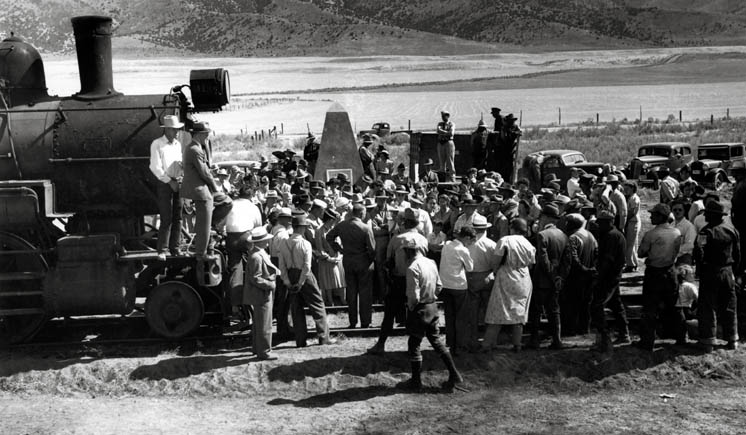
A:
359, 277
575, 303
237, 246
169, 207
308, 295
203, 219
261, 330
460, 308
395, 300
423, 322
717, 304
544, 300
607, 294
281, 307
659, 294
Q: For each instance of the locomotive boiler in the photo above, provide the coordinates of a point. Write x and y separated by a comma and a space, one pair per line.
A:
75, 188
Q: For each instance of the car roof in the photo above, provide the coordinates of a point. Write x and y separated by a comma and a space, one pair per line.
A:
665, 144
556, 152
721, 144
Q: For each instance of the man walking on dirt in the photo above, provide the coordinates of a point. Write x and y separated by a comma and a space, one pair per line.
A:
446, 146
423, 287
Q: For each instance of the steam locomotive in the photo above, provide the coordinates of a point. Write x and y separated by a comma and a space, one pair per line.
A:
75, 188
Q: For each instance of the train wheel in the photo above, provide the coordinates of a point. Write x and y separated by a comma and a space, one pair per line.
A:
22, 271
174, 309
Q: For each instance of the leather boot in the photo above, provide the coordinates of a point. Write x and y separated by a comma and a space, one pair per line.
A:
454, 377
415, 382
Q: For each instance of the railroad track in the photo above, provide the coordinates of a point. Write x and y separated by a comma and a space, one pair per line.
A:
133, 330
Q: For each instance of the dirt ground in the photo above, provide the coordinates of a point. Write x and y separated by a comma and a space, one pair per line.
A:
340, 389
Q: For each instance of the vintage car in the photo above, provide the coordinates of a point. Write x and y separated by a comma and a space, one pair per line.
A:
651, 157
559, 163
714, 162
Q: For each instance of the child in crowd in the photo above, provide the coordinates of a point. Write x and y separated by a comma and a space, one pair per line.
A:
688, 294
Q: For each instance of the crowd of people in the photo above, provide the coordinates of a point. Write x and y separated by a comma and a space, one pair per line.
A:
498, 255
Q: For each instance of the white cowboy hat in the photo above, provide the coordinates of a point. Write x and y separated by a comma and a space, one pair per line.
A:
171, 121
260, 234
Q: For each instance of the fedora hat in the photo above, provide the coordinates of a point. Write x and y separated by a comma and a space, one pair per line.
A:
480, 222
550, 210
341, 202
366, 179
279, 154
300, 220
260, 234
171, 121
201, 127
715, 207
271, 194
285, 212
330, 213
357, 198
369, 203
319, 203
411, 214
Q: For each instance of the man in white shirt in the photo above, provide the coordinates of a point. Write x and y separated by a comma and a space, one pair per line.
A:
573, 184
455, 262
165, 164
243, 217
688, 233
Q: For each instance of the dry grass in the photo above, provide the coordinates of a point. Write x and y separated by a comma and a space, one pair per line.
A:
614, 142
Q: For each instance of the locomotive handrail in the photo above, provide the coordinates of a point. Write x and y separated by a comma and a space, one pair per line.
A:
95, 159
97, 109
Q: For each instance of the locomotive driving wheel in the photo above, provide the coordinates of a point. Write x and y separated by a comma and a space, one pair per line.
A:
22, 271
174, 309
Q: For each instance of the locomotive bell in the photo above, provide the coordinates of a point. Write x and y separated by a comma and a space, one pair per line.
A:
93, 45
21, 73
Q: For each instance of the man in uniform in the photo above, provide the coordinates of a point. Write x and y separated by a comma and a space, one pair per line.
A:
495, 111
429, 176
446, 146
295, 265
718, 256
611, 248
199, 185
358, 255
366, 158
165, 164
660, 247
479, 145
578, 275
423, 286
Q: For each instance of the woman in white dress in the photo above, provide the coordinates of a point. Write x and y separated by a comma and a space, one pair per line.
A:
511, 293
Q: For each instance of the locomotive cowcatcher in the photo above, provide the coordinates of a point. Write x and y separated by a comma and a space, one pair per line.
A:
75, 189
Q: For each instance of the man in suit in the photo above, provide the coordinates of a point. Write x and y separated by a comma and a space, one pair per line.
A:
199, 185
259, 284
358, 253
550, 246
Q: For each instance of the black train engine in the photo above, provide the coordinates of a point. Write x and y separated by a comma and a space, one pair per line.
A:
75, 188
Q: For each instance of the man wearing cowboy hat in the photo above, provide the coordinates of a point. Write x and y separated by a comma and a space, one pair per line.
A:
165, 164
479, 279
260, 277
366, 158
429, 176
399, 178
290, 164
495, 111
199, 185
295, 264
616, 196
469, 205
446, 147
479, 145
718, 257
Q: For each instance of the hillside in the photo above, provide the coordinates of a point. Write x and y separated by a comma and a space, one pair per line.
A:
362, 27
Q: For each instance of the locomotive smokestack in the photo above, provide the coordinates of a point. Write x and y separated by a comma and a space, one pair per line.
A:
93, 44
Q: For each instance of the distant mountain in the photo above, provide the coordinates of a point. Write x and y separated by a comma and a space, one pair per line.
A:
364, 27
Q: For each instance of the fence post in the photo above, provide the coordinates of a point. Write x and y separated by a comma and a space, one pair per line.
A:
680, 117
282, 128
409, 125
559, 110
712, 118
640, 114
256, 136
727, 113
596, 118
520, 117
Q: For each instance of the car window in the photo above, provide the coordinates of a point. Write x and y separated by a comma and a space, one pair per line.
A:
552, 162
736, 151
570, 159
713, 153
654, 151
686, 151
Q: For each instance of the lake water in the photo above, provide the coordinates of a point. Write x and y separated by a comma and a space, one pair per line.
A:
254, 78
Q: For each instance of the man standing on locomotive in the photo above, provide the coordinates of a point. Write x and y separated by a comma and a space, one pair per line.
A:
199, 186
165, 164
